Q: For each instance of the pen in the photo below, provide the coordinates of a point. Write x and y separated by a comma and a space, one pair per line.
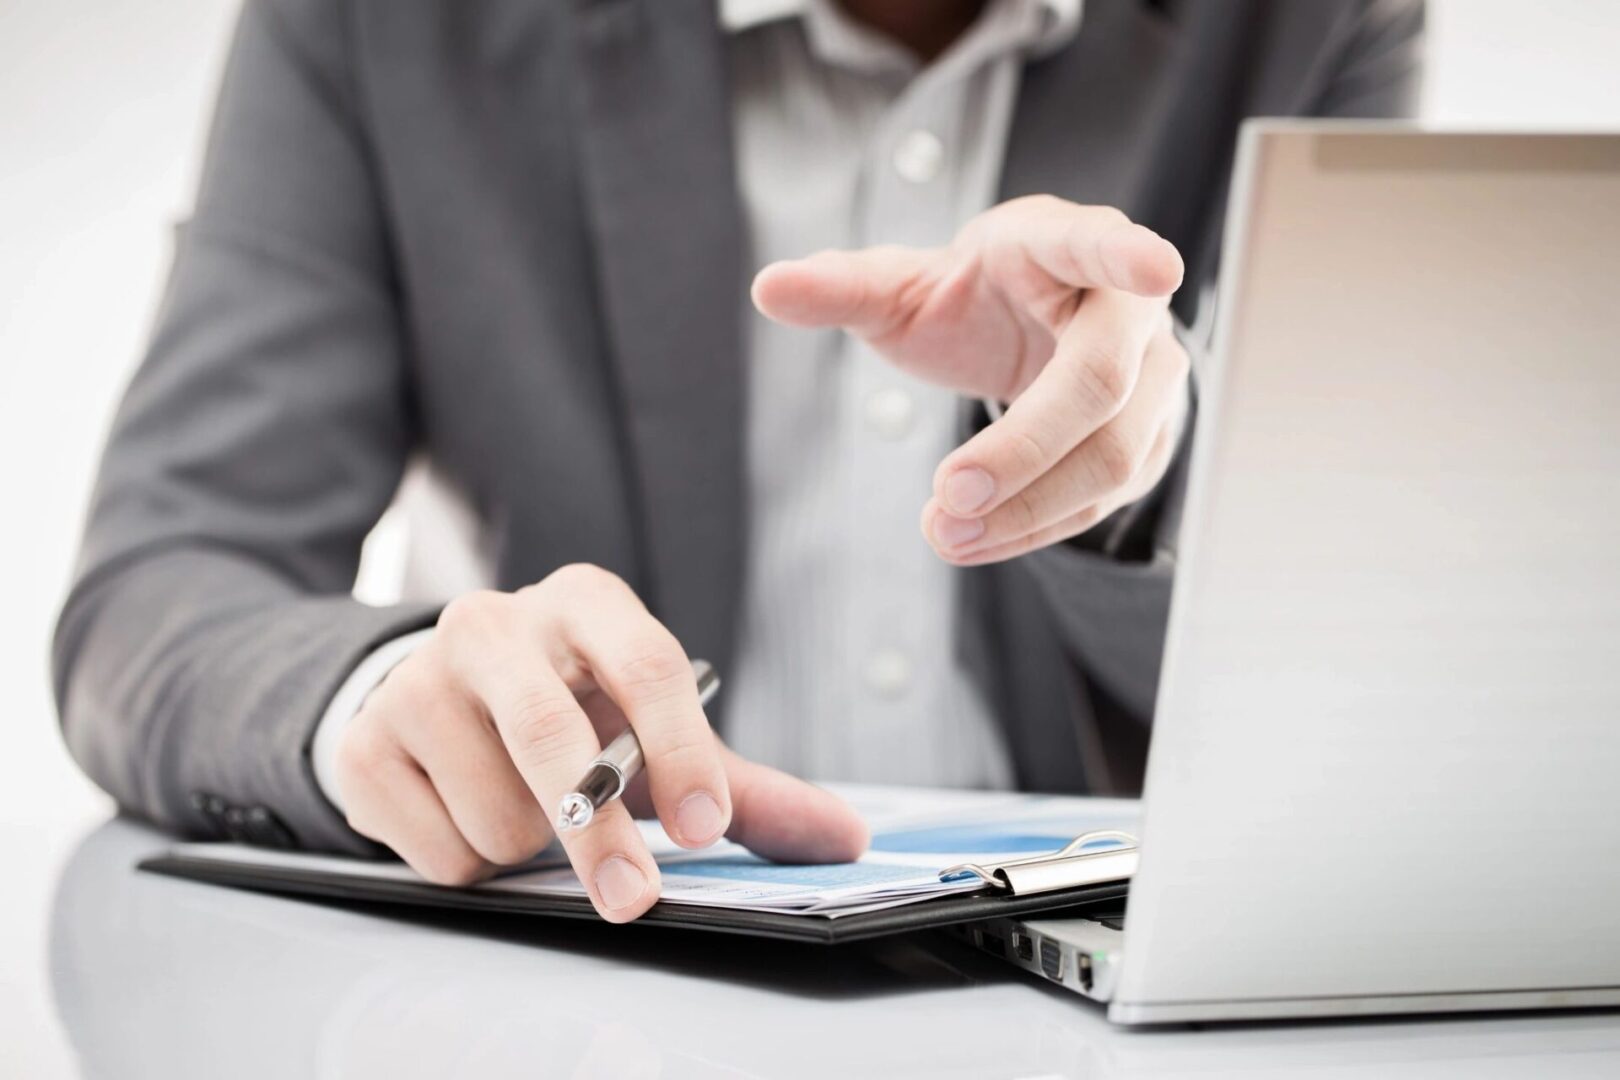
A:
612, 770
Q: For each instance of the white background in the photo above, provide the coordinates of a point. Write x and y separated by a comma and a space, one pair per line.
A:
103, 105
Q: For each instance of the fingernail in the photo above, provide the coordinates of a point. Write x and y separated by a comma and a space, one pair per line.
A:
968, 489
953, 532
697, 819
619, 882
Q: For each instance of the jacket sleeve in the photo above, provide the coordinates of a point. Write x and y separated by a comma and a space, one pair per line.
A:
1109, 590
263, 434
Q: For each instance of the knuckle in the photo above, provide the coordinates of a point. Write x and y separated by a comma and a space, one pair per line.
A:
1114, 458
1113, 216
1085, 519
357, 821
685, 753
546, 725
1021, 513
362, 753
1105, 375
471, 614
656, 668
1082, 230
367, 820
1038, 204
412, 680
1028, 450
587, 579
510, 839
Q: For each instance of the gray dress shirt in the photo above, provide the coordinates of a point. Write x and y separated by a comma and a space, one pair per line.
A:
847, 667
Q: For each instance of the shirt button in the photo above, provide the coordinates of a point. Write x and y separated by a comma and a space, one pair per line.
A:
888, 673
918, 156
889, 412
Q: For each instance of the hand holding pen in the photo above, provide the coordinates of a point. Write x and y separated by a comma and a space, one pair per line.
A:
614, 768
461, 758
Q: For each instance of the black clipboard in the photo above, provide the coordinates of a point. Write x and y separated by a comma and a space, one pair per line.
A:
1000, 896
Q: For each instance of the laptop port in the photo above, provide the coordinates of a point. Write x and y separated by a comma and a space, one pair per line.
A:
1051, 960
1082, 969
1022, 947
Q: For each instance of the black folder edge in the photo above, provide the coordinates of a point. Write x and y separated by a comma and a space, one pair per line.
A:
817, 929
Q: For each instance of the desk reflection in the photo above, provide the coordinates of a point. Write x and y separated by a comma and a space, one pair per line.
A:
158, 977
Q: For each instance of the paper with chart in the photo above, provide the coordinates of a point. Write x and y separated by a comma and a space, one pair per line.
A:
916, 833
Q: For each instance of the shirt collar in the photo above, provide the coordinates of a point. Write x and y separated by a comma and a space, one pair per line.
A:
739, 15
1056, 21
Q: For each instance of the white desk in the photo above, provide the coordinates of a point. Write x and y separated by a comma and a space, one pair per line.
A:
153, 977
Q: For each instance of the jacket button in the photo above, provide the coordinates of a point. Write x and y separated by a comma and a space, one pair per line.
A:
236, 826
268, 830
244, 824
210, 806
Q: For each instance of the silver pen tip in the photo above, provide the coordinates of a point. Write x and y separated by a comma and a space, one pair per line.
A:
575, 812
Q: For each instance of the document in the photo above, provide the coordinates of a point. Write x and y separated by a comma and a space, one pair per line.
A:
916, 834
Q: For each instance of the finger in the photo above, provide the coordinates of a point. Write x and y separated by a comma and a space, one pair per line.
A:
638, 663
550, 741
482, 790
1088, 381
1079, 522
868, 292
1084, 247
390, 800
1101, 468
784, 818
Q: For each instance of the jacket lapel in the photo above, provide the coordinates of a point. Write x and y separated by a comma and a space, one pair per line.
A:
1088, 116
1131, 114
661, 201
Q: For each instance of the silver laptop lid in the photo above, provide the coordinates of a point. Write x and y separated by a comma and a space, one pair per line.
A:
1387, 754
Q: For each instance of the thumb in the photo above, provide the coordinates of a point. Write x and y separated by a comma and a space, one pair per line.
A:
867, 292
786, 819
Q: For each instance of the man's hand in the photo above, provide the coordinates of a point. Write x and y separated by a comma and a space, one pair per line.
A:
459, 758
1058, 309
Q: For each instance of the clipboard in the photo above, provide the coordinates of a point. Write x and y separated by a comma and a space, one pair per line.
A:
1066, 878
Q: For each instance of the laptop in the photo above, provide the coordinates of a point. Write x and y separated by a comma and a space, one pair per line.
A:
1385, 770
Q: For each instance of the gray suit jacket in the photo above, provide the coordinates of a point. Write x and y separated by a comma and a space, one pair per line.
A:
507, 234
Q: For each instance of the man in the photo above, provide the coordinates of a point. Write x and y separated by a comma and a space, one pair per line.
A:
517, 237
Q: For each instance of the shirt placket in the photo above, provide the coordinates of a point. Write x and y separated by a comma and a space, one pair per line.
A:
901, 597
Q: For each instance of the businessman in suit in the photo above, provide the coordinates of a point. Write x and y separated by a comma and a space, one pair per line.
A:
699, 307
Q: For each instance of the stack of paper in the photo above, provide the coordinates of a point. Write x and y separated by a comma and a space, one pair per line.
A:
916, 833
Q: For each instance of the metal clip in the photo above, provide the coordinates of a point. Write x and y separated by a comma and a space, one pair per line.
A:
1068, 867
